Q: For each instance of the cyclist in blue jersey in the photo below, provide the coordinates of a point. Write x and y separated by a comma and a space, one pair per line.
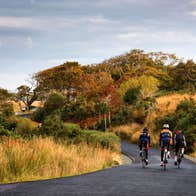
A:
165, 141
144, 140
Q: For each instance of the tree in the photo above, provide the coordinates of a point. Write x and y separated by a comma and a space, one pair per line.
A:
26, 95
54, 102
131, 96
6, 107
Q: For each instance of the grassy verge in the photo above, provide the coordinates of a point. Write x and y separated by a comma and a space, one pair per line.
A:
38, 158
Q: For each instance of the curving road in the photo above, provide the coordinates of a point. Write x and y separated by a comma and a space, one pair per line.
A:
130, 180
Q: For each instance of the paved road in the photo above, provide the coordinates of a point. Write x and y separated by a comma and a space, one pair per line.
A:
130, 180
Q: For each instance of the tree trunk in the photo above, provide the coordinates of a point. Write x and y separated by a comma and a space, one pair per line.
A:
105, 121
109, 119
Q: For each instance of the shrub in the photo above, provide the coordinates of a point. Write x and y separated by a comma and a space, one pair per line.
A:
105, 140
52, 125
4, 132
54, 102
7, 123
70, 131
183, 118
38, 116
7, 109
25, 127
131, 95
124, 116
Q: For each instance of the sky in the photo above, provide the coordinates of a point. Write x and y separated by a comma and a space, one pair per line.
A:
39, 34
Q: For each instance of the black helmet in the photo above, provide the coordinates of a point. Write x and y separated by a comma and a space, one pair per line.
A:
145, 129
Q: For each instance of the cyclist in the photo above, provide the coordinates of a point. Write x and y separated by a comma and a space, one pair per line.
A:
179, 142
144, 140
165, 141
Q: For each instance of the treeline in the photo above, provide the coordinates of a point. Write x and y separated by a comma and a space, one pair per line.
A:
119, 90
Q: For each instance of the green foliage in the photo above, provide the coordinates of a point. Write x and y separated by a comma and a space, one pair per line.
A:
7, 109
78, 110
4, 132
39, 115
184, 118
106, 140
124, 116
70, 131
54, 102
25, 127
131, 96
54, 126
7, 123
51, 125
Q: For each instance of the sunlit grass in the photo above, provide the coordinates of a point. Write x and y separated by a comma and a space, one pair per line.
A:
22, 160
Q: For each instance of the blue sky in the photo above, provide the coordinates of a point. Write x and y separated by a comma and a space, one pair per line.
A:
38, 34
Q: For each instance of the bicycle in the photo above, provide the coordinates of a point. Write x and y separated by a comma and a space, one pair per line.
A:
143, 156
179, 157
165, 157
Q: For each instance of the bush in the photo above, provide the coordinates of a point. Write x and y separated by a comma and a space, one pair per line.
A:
52, 125
4, 132
38, 116
70, 131
7, 123
7, 109
131, 95
25, 127
183, 118
124, 116
105, 140
54, 102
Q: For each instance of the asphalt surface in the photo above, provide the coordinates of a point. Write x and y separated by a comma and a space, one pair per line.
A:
127, 179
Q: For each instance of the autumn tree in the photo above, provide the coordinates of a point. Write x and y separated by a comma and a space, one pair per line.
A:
26, 95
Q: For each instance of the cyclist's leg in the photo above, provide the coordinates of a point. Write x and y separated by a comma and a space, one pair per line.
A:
140, 146
168, 149
182, 149
176, 154
162, 151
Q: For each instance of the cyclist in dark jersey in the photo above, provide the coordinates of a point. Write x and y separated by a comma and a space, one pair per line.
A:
144, 139
179, 142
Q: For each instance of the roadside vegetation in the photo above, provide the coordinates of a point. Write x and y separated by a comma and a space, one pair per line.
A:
44, 158
91, 107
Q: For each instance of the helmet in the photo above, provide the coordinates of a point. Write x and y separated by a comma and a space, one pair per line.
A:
178, 132
165, 126
145, 129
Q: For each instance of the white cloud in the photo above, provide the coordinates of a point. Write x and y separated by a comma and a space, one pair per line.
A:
20, 22
99, 19
153, 36
192, 13
54, 24
12, 80
193, 2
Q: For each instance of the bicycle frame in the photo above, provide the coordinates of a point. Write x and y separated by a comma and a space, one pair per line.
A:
179, 157
165, 157
143, 157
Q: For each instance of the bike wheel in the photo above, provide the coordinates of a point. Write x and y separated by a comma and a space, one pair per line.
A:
178, 162
165, 160
143, 159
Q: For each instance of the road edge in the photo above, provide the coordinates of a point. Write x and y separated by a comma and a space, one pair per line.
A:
190, 158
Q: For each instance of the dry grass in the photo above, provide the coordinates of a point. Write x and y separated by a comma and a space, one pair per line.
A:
39, 158
167, 104
193, 154
126, 131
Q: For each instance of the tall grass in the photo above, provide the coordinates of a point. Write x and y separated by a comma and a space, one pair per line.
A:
22, 160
